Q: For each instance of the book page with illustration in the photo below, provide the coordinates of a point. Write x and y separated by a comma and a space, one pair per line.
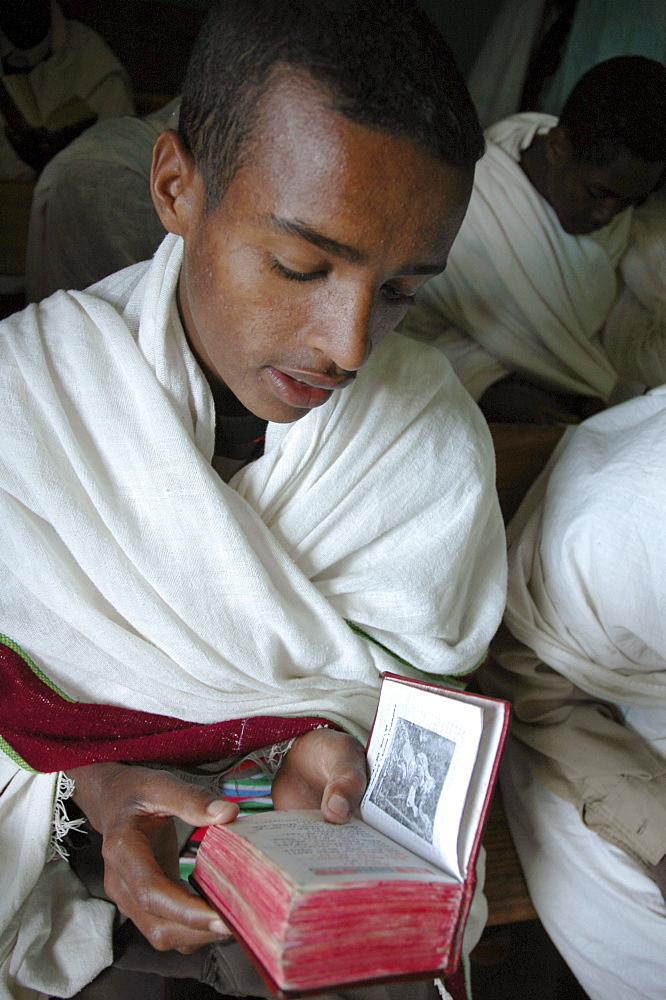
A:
421, 757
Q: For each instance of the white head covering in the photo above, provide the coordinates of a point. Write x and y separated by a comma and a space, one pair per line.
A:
587, 577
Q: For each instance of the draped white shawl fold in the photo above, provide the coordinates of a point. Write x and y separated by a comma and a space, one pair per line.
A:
134, 576
634, 336
497, 78
587, 556
518, 292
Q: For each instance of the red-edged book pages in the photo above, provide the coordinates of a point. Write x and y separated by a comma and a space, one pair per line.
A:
319, 907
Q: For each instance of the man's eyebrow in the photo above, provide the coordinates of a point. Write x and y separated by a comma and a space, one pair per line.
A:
294, 228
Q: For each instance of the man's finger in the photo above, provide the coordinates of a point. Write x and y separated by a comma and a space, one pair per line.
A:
324, 769
137, 884
163, 794
167, 935
344, 790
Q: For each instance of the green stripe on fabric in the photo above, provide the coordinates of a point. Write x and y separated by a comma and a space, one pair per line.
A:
452, 680
33, 666
14, 757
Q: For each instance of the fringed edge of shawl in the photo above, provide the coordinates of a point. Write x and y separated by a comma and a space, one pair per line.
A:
62, 824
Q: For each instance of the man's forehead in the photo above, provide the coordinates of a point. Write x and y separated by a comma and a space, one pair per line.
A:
353, 191
296, 101
296, 110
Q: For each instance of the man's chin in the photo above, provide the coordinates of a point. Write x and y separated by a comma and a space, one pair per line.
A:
275, 412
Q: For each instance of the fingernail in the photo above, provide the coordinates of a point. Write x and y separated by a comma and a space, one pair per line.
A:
218, 927
339, 806
215, 807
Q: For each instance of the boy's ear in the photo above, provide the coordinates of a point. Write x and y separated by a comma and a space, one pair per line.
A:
175, 184
558, 147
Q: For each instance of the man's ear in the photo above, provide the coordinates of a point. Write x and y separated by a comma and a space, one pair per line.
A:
175, 184
558, 147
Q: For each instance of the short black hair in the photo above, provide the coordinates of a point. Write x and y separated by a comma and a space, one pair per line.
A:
383, 63
619, 104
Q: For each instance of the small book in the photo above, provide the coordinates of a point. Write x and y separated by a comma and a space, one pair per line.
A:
318, 906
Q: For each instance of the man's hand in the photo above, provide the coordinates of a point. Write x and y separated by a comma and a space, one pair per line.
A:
132, 807
37, 146
324, 769
34, 145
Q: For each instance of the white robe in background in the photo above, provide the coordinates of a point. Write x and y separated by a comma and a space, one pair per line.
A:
635, 332
600, 29
587, 591
134, 576
497, 77
80, 66
92, 212
520, 294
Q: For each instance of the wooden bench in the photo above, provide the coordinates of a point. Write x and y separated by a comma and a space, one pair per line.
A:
505, 889
521, 451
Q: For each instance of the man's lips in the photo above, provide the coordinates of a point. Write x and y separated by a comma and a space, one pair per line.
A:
305, 389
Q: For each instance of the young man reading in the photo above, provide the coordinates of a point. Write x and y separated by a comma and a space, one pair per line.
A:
321, 169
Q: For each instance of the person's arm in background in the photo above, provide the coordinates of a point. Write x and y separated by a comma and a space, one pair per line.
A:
581, 748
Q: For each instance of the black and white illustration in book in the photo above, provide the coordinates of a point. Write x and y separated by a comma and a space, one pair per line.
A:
412, 775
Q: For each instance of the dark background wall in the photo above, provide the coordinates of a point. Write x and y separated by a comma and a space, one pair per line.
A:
153, 37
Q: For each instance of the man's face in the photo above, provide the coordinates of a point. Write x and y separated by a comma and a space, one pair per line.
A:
587, 197
314, 253
25, 22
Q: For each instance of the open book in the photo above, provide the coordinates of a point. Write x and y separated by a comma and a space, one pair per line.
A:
319, 906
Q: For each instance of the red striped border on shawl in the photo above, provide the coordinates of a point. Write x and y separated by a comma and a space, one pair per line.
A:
41, 729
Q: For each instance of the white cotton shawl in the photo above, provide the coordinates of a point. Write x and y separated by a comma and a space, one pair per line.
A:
635, 333
497, 77
518, 292
134, 576
587, 568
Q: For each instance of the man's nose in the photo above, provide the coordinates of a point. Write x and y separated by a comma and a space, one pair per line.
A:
343, 330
